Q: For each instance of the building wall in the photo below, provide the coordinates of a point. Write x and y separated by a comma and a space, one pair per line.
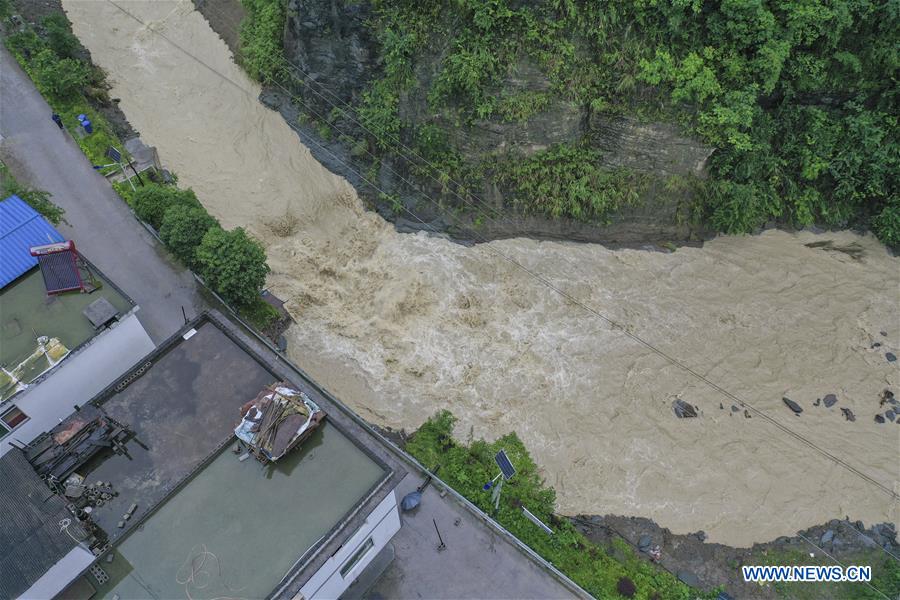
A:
80, 377
380, 526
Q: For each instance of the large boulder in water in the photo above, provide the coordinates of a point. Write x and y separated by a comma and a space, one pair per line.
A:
792, 405
683, 410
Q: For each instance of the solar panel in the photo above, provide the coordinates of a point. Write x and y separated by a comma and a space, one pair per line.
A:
59, 272
506, 467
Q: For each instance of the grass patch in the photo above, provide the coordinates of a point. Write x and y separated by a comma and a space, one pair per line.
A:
260, 314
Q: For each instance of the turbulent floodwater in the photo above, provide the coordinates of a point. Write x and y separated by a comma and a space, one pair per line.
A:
400, 326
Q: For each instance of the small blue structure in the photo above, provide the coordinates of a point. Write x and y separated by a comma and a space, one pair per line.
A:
21, 228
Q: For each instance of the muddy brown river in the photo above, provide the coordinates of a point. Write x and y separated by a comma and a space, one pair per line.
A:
400, 326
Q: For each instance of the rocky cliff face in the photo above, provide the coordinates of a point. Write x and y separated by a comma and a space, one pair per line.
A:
336, 51
329, 40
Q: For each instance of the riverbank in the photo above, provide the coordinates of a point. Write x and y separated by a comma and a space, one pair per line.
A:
707, 565
491, 221
402, 324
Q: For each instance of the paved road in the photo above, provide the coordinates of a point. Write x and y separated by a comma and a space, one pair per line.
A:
103, 228
476, 562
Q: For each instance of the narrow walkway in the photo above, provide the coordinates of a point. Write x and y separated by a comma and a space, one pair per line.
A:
104, 230
475, 563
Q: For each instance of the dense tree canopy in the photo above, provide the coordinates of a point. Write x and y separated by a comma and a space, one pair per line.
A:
233, 264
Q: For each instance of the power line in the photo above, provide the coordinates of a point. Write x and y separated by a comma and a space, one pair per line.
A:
540, 278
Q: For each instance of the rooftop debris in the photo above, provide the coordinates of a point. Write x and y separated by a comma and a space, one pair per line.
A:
57, 455
278, 420
48, 353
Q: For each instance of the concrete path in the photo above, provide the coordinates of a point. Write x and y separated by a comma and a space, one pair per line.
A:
41, 155
475, 563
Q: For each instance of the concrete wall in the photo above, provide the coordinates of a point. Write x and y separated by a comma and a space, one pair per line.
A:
380, 526
78, 378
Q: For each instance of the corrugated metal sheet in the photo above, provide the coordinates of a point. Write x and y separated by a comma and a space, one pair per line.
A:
32, 540
21, 227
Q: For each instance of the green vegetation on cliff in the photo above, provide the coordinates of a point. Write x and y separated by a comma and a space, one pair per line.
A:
566, 181
798, 98
260, 35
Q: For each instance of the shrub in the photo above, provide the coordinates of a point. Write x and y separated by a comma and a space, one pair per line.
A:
260, 314
151, 202
887, 224
25, 43
260, 38
59, 78
59, 35
39, 200
568, 181
182, 230
233, 264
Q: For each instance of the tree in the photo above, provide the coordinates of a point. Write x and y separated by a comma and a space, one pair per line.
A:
233, 264
182, 230
59, 78
150, 202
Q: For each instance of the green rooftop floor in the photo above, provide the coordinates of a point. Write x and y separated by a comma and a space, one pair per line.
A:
26, 312
237, 528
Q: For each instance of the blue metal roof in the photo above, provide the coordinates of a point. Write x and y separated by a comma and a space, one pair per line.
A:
21, 227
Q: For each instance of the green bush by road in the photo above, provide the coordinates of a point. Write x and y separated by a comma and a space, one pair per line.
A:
64, 80
182, 230
151, 201
233, 264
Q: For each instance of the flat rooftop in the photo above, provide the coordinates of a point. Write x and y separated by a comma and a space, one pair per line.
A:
237, 528
247, 524
27, 312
